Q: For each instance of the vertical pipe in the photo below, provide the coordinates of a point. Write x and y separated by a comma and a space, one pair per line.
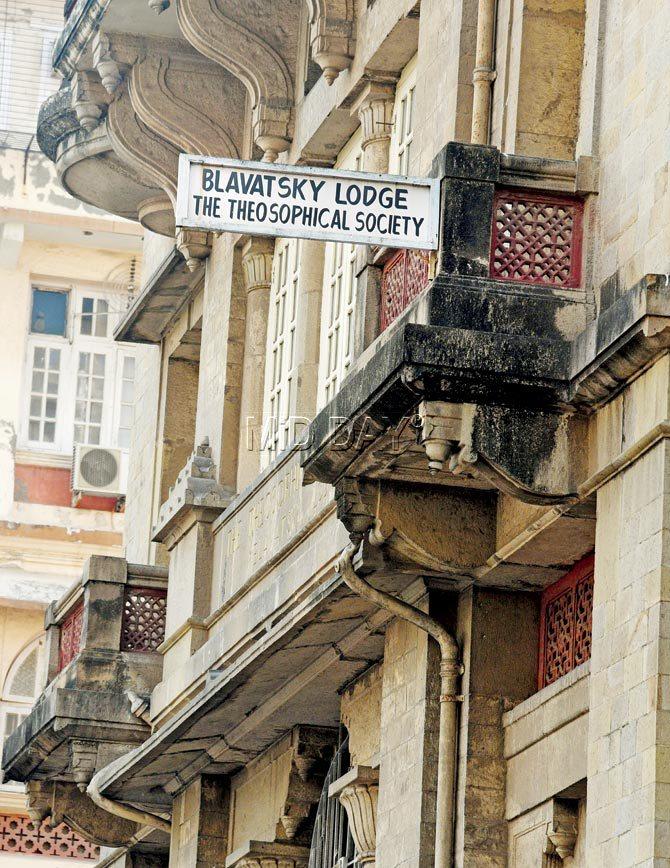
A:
450, 672
483, 73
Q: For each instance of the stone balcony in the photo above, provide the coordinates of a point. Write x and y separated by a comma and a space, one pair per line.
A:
102, 663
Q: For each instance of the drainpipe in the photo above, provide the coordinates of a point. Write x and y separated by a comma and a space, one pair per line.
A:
450, 671
144, 818
483, 74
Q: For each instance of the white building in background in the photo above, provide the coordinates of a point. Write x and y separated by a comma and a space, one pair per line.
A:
66, 392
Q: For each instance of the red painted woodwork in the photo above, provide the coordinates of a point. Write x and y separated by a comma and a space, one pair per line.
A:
143, 625
403, 278
50, 486
70, 636
22, 835
565, 623
536, 238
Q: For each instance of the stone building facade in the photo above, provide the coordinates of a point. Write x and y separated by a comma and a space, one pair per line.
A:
434, 633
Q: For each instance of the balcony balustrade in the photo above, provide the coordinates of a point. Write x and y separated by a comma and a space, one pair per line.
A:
102, 662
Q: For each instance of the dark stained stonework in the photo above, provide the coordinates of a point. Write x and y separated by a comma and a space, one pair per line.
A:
56, 120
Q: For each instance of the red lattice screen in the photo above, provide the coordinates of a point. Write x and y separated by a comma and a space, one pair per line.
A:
536, 238
70, 636
22, 835
403, 278
143, 626
565, 623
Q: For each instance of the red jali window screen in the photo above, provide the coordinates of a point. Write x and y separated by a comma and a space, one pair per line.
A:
70, 636
22, 835
537, 238
565, 623
404, 276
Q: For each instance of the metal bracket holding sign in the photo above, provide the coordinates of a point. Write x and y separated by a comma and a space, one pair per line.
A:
249, 198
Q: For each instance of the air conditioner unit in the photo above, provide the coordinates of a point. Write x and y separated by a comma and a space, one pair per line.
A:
99, 471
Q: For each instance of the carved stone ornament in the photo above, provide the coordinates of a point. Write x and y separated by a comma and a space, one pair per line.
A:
83, 756
358, 792
332, 38
562, 831
195, 245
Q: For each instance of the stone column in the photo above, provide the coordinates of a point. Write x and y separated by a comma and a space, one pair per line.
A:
375, 112
358, 791
629, 715
257, 263
200, 821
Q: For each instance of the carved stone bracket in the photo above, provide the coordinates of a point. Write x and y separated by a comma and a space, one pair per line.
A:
244, 53
358, 791
39, 798
89, 99
562, 832
112, 57
195, 245
83, 758
374, 108
332, 37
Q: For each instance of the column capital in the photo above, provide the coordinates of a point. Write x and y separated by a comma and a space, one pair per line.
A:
358, 792
374, 107
257, 255
268, 854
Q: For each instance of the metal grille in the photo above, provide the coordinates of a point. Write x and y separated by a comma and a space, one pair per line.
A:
22, 835
70, 636
536, 239
565, 623
403, 278
332, 845
143, 626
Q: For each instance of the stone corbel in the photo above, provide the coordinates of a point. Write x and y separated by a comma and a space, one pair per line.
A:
195, 245
239, 48
332, 36
83, 758
562, 831
188, 100
112, 57
89, 99
75, 808
39, 795
358, 791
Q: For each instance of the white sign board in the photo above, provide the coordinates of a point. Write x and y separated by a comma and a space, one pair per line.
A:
294, 201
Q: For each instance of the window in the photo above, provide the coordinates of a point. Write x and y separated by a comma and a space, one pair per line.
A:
403, 122
338, 315
21, 687
127, 402
49, 313
90, 394
44, 387
94, 316
80, 384
280, 370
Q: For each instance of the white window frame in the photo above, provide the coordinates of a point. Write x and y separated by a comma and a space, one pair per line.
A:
338, 299
280, 359
404, 116
70, 346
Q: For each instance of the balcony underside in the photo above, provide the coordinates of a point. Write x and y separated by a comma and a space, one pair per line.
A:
288, 674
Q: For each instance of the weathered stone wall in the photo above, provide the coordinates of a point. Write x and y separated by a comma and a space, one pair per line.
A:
361, 714
408, 749
624, 122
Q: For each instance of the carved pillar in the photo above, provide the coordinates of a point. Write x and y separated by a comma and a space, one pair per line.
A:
358, 791
265, 854
257, 263
185, 527
375, 112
